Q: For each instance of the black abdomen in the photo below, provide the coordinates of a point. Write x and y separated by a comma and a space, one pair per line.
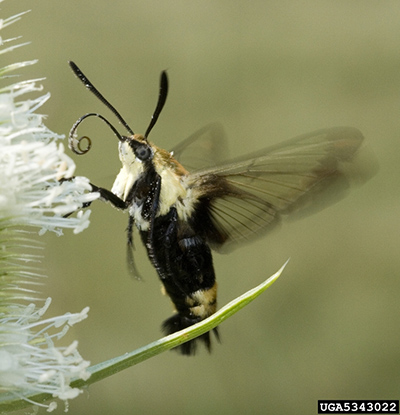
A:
184, 264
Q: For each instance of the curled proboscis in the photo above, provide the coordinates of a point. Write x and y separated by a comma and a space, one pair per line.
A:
75, 144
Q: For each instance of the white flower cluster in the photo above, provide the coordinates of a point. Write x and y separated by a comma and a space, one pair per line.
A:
29, 361
32, 164
37, 189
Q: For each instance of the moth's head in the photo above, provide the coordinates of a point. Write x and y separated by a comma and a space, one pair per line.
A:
135, 148
132, 148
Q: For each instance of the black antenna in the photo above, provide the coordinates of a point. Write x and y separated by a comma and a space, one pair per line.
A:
162, 97
95, 91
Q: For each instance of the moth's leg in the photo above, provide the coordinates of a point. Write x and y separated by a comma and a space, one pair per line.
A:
129, 230
108, 196
105, 195
129, 251
150, 208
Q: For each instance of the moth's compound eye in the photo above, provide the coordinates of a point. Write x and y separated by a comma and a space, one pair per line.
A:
143, 152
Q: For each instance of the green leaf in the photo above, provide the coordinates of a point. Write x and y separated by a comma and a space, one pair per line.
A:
117, 364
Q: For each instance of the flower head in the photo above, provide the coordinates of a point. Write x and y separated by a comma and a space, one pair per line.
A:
32, 163
37, 190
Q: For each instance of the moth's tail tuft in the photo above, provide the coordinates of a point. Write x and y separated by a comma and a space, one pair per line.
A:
178, 322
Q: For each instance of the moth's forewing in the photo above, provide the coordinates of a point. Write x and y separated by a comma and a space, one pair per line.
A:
299, 176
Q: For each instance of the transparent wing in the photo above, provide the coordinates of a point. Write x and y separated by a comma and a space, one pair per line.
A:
206, 147
248, 196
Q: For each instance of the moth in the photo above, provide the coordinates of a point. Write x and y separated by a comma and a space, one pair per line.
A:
184, 211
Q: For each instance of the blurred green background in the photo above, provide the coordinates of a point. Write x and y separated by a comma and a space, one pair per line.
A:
267, 70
